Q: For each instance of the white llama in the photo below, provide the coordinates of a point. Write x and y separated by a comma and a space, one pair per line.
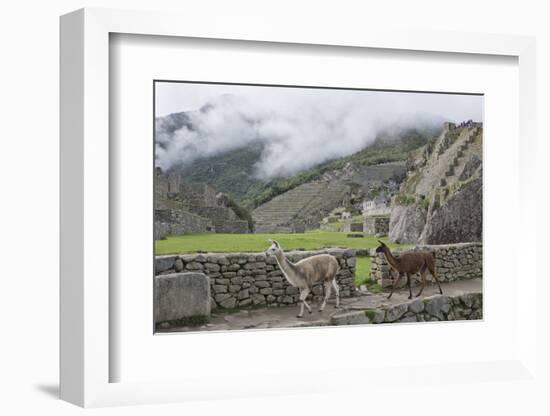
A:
307, 272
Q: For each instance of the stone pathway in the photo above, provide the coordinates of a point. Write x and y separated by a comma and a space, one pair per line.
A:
285, 317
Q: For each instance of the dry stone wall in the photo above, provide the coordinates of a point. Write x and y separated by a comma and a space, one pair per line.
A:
182, 207
377, 225
468, 306
452, 262
178, 221
353, 227
241, 280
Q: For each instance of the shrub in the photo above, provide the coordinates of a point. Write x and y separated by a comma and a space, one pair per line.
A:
425, 203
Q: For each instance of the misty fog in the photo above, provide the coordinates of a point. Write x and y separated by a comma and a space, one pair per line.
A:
299, 127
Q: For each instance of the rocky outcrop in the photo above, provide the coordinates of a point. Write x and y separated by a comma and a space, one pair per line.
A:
406, 224
459, 219
440, 202
468, 306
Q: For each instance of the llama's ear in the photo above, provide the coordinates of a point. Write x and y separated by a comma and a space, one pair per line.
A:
276, 243
381, 243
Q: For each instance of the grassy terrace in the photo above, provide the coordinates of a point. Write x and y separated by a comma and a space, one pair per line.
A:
210, 242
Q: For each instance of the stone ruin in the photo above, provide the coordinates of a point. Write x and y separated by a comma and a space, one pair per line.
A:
182, 207
377, 225
376, 206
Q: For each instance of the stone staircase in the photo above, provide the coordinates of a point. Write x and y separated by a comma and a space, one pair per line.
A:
457, 159
306, 204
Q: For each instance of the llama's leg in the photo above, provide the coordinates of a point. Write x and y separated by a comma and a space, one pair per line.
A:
432, 271
337, 292
303, 296
394, 282
327, 286
409, 285
423, 277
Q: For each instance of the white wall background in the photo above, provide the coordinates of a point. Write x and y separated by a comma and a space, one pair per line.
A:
29, 210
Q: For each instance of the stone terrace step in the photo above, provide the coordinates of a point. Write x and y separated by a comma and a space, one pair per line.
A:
298, 204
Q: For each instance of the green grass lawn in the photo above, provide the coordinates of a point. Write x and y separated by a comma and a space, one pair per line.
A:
362, 273
221, 243
211, 242
362, 270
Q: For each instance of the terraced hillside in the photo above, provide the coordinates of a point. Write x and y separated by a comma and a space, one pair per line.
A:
307, 204
440, 202
304, 205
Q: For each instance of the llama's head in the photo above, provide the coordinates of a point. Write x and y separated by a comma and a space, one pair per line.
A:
274, 249
381, 248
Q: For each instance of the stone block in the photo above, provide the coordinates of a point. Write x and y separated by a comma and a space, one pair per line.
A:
178, 265
396, 312
258, 299
229, 303
194, 265
291, 290
350, 318
416, 306
164, 263
245, 302
181, 295
437, 306
219, 288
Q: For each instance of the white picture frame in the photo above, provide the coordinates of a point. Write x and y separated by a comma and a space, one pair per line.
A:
85, 212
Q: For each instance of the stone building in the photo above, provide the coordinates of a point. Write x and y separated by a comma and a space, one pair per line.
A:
182, 207
376, 206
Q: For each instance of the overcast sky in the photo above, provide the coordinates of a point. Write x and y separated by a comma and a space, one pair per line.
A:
300, 127
174, 97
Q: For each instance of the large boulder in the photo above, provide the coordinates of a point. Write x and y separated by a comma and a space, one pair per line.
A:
406, 223
459, 219
181, 296
440, 201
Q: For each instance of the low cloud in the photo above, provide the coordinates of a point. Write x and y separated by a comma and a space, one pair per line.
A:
299, 128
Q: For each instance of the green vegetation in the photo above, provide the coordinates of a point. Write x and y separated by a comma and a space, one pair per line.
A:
404, 199
384, 149
362, 275
425, 203
211, 242
196, 320
412, 182
362, 270
239, 211
230, 172
370, 314
233, 172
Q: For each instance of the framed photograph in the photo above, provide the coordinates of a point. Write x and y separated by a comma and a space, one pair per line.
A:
268, 198
264, 206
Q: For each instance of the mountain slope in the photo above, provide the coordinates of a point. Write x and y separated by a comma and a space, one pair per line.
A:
440, 201
304, 206
233, 172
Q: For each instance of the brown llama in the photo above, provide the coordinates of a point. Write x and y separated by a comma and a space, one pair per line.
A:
410, 262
